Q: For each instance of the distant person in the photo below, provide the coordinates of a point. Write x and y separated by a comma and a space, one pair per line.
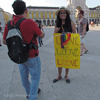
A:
28, 29
63, 20
0, 34
92, 23
41, 28
82, 30
77, 26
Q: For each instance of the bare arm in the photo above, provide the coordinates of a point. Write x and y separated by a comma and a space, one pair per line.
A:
84, 22
84, 29
42, 35
73, 27
56, 29
42, 29
4, 41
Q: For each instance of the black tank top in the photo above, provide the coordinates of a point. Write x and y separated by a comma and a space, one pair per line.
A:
66, 28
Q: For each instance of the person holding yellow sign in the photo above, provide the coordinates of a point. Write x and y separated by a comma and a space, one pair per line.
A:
63, 24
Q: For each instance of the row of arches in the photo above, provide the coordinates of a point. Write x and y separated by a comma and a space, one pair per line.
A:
47, 22
52, 22
94, 20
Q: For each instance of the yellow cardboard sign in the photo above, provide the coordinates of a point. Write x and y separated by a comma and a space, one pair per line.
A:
69, 56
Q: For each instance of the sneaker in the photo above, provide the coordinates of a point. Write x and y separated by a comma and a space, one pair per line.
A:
0, 45
39, 90
27, 97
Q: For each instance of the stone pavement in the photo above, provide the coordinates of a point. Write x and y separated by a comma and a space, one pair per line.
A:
85, 82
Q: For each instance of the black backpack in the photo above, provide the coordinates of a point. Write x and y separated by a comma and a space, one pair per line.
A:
87, 27
0, 29
17, 51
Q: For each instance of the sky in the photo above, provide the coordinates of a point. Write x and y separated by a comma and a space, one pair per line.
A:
6, 5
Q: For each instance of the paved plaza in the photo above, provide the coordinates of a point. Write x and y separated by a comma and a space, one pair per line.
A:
85, 82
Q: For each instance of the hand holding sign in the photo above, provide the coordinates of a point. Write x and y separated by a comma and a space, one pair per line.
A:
69, 56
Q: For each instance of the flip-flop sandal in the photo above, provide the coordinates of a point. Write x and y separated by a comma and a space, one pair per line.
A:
85, 51
67, 80
55, 80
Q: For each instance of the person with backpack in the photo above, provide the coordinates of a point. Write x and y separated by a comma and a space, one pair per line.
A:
83, 28
21, 34
0, 34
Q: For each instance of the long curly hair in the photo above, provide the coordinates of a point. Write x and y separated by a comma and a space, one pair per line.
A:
67, 24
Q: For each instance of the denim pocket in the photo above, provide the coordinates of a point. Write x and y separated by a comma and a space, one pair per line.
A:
33, 61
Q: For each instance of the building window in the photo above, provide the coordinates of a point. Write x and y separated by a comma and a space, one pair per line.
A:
35, 15
51, 15
47, 15
39, 15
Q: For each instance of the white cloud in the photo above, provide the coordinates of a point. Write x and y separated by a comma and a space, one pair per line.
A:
7, 6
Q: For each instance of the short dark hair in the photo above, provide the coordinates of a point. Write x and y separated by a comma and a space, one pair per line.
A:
19, 7
37, 21
82, 12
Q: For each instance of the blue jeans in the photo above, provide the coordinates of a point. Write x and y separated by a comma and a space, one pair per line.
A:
32, 66
39, 40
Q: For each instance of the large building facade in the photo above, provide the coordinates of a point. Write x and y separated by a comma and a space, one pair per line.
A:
4, 17
45, 15
94, 14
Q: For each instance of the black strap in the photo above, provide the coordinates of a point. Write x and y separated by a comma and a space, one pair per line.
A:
19, 22
32, 39
9, 25
17, 26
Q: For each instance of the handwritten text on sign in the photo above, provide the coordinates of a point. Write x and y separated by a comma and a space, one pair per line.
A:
69, 56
